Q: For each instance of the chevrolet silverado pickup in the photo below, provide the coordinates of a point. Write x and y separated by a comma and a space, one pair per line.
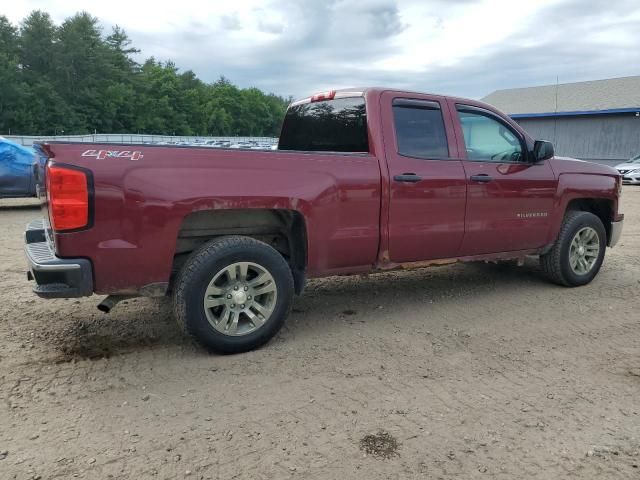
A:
362, 181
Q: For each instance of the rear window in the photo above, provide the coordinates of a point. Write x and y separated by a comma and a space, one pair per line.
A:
338, 125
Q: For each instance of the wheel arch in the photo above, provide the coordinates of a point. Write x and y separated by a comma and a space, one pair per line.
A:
603, 208
283, 229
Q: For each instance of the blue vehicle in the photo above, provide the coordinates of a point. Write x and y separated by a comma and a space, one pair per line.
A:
16, 170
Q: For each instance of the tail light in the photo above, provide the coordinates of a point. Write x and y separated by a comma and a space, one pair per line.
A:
68, 193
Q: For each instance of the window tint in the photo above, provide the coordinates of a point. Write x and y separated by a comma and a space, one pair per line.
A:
420, 132
487, 139
338, 125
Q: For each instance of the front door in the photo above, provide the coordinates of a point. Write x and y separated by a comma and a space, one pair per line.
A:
509, 197
427, 179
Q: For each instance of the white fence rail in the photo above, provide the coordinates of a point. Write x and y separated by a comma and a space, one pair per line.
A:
29, 140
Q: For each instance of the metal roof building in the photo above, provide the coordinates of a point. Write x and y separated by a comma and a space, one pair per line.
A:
595, 120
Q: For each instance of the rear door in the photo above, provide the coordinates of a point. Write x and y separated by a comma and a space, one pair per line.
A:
509, 197
427, 179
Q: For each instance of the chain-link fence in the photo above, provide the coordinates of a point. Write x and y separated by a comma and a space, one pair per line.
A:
29, 140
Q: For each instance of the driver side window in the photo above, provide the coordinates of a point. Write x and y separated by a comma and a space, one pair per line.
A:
488, 140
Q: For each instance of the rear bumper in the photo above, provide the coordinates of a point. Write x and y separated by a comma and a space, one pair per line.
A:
616, 231
55, 277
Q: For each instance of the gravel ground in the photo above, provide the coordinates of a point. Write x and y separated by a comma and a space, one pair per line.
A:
464, 371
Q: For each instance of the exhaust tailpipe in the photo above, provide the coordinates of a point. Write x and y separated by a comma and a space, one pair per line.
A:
108, 303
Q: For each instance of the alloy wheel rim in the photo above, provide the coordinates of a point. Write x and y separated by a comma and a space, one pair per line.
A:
240, 298
584, 250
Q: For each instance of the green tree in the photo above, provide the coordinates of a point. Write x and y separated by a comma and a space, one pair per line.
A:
8, 39
11, 85
74, 78
36, 45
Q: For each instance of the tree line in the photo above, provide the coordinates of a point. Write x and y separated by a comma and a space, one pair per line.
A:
73, 79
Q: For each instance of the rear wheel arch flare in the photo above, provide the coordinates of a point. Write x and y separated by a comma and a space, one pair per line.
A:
283, 229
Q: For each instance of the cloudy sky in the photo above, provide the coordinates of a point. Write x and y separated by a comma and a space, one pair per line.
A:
297, 47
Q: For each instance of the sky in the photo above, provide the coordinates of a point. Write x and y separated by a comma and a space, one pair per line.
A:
297, 47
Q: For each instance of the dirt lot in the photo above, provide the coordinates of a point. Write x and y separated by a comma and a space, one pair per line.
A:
466, 371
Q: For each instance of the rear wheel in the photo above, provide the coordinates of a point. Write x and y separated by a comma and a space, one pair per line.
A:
233, 294
577, 255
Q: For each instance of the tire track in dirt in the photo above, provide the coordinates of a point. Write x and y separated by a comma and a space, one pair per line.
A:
476, 370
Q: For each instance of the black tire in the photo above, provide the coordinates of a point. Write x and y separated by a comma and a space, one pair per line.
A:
556, 263
198, 272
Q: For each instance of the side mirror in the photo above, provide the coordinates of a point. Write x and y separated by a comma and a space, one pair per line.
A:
542, 150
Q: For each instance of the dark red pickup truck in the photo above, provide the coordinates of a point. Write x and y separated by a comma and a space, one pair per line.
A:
362, 181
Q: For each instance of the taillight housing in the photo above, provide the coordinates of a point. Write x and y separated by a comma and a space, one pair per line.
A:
69, 196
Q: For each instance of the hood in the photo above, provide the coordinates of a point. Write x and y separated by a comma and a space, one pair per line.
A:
573, 165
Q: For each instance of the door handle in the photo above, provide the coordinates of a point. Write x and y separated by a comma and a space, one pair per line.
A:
408, 177
483, 177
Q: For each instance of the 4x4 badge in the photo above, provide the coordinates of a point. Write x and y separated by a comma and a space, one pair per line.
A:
102, 154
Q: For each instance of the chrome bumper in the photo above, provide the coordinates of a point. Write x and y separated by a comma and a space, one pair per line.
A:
616, 231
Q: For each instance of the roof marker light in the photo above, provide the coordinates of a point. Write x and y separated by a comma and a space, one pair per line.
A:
320, 97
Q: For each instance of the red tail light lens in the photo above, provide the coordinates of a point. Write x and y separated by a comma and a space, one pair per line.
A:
68, 191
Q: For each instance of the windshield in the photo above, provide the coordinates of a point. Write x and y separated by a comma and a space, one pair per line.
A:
338, 125
635, 159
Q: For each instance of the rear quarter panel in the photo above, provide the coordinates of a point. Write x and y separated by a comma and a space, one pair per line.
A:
140, 205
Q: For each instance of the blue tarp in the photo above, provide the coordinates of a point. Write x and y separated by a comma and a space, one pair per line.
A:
16, 149
16, 170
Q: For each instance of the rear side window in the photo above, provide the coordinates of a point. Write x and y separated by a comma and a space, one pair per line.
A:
338, 125
420, 129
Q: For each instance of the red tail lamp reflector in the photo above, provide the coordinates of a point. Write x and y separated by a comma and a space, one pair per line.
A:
68, 191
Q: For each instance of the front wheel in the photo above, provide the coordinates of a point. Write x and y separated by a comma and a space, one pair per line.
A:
233, 294
577, 255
